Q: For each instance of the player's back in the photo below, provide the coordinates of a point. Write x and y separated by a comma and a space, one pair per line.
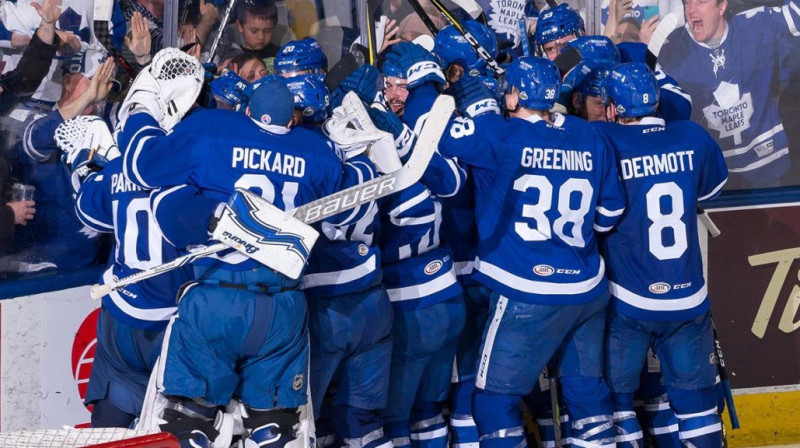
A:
538, 206
653, 255
109, 202
289, 169
218, 151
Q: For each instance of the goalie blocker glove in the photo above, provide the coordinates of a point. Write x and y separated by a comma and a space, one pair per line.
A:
263, 232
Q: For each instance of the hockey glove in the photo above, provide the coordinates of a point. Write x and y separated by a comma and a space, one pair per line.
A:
472, 97
419, 64
385, 119
363, 81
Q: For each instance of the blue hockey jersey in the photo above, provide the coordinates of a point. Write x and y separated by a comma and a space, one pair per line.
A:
109, 202
654, 262
417, 270
216, 151
541, 191
734, 89
346, 258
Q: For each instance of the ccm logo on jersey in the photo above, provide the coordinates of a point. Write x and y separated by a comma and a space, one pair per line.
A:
546, 271
249, 248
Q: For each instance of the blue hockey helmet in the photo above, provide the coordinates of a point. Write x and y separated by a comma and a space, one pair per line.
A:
390, 68
537, 80
556, 23
229, 88
311, 97
301, 56
597, 48
248, 92
633, 89
588, 77
452, 48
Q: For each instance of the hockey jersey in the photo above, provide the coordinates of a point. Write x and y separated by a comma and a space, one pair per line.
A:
216, 151
653, 255
346, 259
417, 271
541, 191
109, 202
733, 89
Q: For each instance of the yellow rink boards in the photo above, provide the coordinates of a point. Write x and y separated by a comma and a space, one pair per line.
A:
767, 418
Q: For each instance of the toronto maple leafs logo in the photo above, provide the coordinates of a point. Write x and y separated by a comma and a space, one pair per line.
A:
718, 59
730, 113
505, 16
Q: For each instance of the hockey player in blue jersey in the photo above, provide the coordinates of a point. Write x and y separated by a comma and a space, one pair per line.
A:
655, 268
240, 330
544, 183
734, 69
554, 28
350, 316
133, 319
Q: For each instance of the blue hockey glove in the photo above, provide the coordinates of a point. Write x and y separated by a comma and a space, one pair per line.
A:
363, 81
385, 120
472, 97
419, 64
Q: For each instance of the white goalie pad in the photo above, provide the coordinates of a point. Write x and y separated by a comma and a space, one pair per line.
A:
263, 232
86, 132
166, 89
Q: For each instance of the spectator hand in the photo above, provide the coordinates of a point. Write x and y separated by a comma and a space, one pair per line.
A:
70, 43
622, 7
101, 81
648, 28
419, 64
208, 12
49, 11
390, 36
140, 39
23, 211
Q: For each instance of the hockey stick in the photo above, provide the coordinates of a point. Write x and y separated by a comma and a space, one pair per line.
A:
222, 25
724, 379
336, 203
453, 21
103, 34
712, 228
665, 26
552, 382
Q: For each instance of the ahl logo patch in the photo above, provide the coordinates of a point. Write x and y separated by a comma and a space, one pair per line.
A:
266, 119
362, 249
659, 288
433, 267
543, 270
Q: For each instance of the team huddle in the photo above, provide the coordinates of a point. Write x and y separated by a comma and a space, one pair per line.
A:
550, 244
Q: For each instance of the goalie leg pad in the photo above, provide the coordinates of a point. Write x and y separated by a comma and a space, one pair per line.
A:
273, 428
191, 421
